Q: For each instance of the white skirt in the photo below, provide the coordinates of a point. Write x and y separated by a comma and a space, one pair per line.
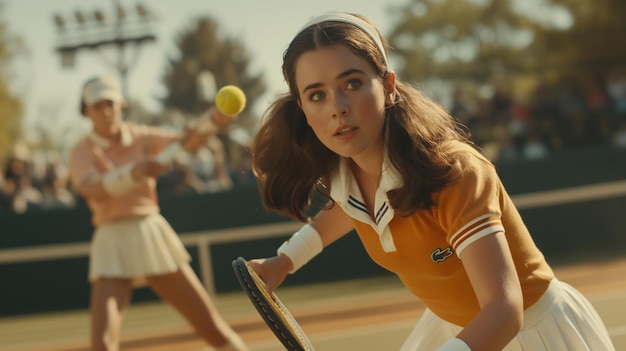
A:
562, 320
136, 248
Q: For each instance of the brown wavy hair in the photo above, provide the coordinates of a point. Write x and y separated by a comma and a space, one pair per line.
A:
292, 165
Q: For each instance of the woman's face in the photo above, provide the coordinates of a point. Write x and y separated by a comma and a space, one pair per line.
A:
343, 100
106, 116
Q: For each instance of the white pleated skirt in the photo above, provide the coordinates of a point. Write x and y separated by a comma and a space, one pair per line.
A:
562, 320
136, 248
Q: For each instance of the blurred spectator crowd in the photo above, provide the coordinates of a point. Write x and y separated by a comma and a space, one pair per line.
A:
34, 180
552, 118
40, 180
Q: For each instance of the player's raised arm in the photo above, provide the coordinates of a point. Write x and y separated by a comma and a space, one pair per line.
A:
229, 102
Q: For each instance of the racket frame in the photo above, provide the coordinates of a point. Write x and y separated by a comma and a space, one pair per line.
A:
277, 317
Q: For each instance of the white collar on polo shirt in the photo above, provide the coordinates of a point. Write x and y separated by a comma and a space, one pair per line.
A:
345, 191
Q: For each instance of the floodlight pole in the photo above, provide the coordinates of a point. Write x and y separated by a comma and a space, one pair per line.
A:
95, 33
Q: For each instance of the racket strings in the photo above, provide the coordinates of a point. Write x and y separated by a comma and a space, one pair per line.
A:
258, 284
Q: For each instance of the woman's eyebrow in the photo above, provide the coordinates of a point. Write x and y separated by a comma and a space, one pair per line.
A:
339, 76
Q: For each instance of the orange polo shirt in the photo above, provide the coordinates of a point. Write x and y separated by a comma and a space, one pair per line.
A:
423, 249
94, 156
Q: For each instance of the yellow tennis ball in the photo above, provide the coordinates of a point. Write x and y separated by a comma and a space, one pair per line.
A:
230, 100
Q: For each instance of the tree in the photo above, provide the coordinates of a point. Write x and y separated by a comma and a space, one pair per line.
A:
479, 40
460, 39
210, 58
10, 105
204, 52
592, 45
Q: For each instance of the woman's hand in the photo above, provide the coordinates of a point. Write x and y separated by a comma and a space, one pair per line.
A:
221, 120
199, 130
272, 270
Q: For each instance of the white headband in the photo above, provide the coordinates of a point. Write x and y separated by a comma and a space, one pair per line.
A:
348, 18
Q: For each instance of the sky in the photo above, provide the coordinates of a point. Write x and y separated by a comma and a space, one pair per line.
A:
50, 93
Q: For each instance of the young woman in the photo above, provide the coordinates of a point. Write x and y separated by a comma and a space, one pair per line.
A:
115, 169
425, 203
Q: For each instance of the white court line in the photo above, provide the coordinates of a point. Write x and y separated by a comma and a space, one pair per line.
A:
355, 332
617, 294
408, 325
617, 331
347, 333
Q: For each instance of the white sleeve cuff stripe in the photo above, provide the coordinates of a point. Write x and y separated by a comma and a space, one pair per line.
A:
479, 235
471, 223
460, 238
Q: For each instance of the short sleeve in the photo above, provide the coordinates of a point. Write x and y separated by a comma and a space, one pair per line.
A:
470, 208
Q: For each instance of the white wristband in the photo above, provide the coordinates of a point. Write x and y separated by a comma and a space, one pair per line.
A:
119, 181
454, 344
303, 245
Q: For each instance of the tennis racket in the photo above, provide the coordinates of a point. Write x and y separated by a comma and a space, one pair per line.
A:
204, 124
271, 309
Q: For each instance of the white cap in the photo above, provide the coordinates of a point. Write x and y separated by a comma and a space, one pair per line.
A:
102, 88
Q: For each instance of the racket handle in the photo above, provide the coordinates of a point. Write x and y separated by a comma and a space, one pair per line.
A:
167, 154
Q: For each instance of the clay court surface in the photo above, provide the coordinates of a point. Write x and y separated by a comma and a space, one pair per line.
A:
372, 314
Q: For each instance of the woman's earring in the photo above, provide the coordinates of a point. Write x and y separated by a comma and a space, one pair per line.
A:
390, 98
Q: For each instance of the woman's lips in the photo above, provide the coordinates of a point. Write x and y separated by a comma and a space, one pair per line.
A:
345, 133
345, 130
